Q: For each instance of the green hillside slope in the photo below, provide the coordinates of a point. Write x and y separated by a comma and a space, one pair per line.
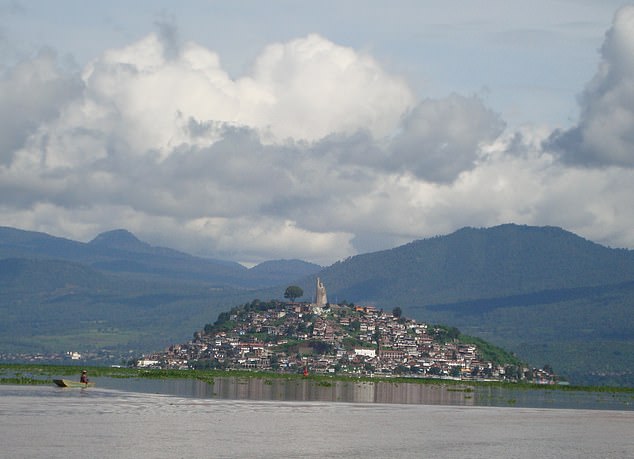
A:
544, 293
119, 251
51, 306
585, 333
548, 295
479, 263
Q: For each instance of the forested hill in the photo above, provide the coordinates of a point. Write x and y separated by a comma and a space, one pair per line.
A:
119, 251
549, 295
479, 263
545, 293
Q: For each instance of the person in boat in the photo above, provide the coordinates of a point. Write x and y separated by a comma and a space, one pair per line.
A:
84, 377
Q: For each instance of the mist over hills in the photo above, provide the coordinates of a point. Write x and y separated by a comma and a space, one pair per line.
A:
547, 294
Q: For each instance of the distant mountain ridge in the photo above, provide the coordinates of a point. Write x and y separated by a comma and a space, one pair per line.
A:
122, 239
119, 251
479, 263
543, 292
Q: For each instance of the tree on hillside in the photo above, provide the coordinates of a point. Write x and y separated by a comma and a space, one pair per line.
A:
397, 312
292, 292
445, 334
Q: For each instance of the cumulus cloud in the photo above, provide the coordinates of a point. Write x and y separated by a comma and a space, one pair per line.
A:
163, 132
315, 88
317, 153
170, 37
31, 93
441, 138
605, 133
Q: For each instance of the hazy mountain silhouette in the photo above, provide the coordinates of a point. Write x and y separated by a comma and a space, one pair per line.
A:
119, 251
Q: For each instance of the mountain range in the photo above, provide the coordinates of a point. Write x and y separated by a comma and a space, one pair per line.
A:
119, 251
544, 293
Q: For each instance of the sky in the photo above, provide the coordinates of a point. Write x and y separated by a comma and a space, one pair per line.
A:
253, 131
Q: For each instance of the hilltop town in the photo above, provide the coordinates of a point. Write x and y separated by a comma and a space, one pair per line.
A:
342, 339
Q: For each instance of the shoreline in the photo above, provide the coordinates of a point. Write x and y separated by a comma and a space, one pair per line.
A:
263, 386
34, 374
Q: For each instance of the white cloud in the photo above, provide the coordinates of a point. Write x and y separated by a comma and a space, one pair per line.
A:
605, 133
304, 90
442, 138
317, 88
31, 93
316, 153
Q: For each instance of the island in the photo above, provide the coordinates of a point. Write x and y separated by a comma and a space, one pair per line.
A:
340, 339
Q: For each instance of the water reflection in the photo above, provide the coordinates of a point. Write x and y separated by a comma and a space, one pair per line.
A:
337, 391
306, 390
303, 390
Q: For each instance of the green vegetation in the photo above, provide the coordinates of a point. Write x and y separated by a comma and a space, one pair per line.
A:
585, 339
489, 351
545, 294
444, 333
51, 307
293, 292
116, 292
486, 350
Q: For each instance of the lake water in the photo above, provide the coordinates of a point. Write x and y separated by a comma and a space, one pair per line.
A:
382, 391
264, 419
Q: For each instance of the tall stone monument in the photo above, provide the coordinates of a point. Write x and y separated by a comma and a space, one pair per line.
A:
320, 295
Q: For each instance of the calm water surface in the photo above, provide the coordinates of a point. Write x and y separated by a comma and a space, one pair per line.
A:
240, 419
305, 390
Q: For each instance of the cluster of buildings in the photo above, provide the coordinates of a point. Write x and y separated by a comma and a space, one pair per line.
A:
332, 339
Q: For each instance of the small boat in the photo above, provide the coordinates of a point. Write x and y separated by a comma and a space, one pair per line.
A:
70, 383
